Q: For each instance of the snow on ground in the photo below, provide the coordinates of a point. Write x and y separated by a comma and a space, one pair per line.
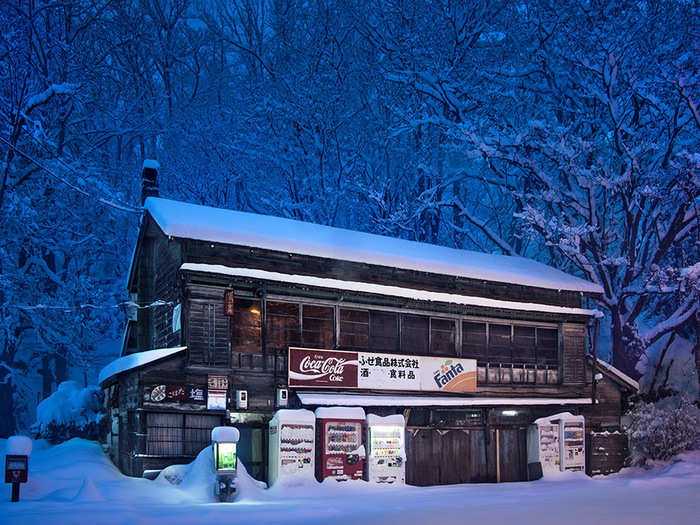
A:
75, 483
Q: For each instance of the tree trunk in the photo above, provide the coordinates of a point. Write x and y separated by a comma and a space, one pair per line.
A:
8, 422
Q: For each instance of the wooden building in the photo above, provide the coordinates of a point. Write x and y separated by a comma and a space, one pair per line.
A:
224, 295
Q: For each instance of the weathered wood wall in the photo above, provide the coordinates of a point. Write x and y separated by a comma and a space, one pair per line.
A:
211, 253
606, 452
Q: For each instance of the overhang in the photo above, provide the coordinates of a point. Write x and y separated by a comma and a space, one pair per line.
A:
375, 400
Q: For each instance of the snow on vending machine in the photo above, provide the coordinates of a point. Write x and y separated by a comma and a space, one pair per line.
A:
291, 442
386, 454
340, 452
557, 442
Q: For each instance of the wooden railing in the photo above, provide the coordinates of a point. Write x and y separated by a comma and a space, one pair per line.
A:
489, 373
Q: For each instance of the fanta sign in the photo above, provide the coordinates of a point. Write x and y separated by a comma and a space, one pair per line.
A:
338, 369
452, 376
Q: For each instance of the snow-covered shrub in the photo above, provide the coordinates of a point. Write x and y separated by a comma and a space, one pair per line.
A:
663, 429
71, 411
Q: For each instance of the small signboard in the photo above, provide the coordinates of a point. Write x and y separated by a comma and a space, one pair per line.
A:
16, 468
175, 393
216, 400
196, 394
217, 382
229, 302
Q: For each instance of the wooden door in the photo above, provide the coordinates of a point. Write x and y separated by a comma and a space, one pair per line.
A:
512, 454
422, 457
447, 456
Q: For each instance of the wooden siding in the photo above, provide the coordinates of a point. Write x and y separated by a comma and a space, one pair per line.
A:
573, 345
606, 452
207, 336
157, 265
208, 253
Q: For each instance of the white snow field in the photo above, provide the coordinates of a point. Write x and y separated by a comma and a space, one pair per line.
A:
75, 483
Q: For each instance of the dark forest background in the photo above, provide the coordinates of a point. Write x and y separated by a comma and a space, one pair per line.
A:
568, 132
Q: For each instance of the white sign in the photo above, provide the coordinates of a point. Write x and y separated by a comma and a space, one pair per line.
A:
216, 400
388, 372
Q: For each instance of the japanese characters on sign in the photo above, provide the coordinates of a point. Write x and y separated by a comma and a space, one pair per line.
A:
217, 382
173, 393
388, 372
340, 369
196, 394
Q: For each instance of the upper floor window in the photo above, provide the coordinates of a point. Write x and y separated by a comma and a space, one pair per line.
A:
246, 326
282, 325
317, 326
415, 334
383, 331
505, 343
354, 329
443, 336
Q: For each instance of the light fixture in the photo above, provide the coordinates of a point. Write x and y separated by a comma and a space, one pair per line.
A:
509, 412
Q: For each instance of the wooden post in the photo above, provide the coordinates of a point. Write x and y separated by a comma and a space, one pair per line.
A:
15, 492
498, 455
594, 383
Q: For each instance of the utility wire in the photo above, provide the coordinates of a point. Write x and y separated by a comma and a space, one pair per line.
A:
110, 203
83, 306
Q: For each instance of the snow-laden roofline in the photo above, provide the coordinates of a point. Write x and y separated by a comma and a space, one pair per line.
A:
380, 289
376, 400
131, 361
619, 374
191, 221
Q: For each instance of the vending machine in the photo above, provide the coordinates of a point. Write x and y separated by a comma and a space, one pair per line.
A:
340, 451
572, 438
292, 434
543, 446
386, 454
557, 442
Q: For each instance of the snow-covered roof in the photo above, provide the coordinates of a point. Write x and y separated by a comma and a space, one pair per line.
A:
620, 375
380, 289
192, 221
566, 416
335, 412
377, 400
128, 362
290, 415
225, 435
395, 420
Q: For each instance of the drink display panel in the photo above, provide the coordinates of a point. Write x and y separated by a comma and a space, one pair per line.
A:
292, 441
386, 454
573, 446
343, 437
549, 447
296, 448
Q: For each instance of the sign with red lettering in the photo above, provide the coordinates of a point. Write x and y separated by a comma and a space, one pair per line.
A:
338, 369
322, 368
16, 468
217, 382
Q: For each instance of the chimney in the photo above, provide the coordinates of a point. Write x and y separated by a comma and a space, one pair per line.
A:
149, 179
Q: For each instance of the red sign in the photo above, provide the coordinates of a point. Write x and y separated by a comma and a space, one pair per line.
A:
175, 393
229, 302
322, 368
16, 468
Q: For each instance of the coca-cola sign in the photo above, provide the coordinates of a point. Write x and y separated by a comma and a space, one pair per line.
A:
322, 368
